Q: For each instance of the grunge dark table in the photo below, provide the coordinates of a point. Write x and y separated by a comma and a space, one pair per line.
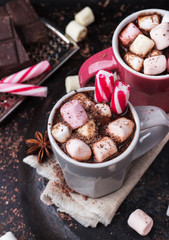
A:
155, 182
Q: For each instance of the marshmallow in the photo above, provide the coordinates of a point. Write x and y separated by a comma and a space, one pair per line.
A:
74, 114
61, 132
104, 148
134, 61
155, 65
102, 112
160, 35
76, 31
129, 34
84, 100
88, 130
72, 83
8, 236
78, 150
141, 45
165, 17
167, 212
120, 129
140, 222
155, 52
85, 17
148, 22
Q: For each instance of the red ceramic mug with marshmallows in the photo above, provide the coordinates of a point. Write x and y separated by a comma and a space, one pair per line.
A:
145, 89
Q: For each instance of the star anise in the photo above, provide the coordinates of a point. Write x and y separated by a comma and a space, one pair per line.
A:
40, 146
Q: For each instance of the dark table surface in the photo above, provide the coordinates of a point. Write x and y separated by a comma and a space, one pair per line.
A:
14, 129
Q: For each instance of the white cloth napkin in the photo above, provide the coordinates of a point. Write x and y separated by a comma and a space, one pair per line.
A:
89, 212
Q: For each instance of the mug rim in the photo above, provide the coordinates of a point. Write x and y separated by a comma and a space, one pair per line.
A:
115, 42
84, 164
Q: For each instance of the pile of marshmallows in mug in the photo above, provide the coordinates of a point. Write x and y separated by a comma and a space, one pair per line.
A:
146, 52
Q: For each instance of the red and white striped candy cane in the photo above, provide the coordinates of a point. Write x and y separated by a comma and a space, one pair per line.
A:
28, 73
120, 97
104, 82
23, 89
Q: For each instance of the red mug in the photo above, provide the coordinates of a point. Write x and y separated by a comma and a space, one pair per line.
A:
145, 90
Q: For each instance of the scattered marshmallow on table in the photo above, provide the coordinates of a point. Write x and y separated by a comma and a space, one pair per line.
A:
76, 31
129, 34
85, 17
88, 130
141, 45
160, 35
134, 61
72, 83
148, 22
167, 212
104, 148
61, 132
84, 100
74, 114
120, 129
155, 65
78, 150
8, 236
140, 222
165, 17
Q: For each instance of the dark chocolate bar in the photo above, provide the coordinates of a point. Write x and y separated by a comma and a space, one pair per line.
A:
26, 21
13, 56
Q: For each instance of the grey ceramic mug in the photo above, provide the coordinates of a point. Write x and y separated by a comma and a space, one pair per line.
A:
99, 179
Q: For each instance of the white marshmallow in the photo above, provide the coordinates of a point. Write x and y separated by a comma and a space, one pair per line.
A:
104, 148
120, 129
103, 109
167, 212
84, 101
140, 222
61, 132
85, 17
148, 22
155, 52
88, 130
76, 31
165, 17
141, 45
134, 61
160, 35
78, 150
155, 65
8, 236
72, 83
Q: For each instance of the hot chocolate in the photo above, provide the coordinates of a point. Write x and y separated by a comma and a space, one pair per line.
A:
90, 132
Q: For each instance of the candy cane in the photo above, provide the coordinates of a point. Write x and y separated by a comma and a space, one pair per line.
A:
104, 81
120, 97
23, 89
28, 73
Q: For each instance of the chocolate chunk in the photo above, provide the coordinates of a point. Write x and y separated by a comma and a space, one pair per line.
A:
26, 21
13, 56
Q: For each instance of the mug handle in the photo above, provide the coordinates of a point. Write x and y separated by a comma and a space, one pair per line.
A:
154, 126
104, 60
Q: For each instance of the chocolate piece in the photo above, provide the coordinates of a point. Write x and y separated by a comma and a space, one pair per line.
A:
13, 56
27, 21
